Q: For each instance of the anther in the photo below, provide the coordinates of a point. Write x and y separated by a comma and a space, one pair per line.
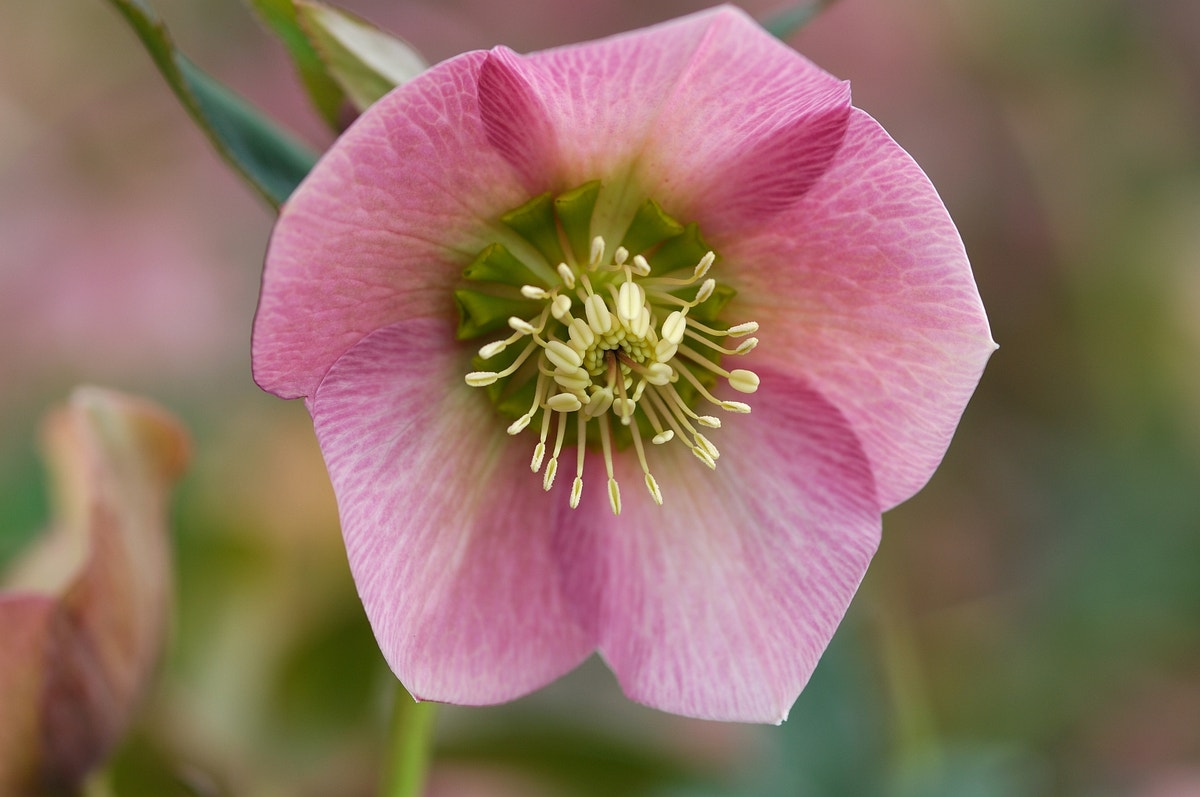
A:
522, 326
746, 346
560, 308
710, 421
482, 378
562, 355
704, 265
735, 406
564, 402
534, 292
663, 437
652, 486
706, 290
640, 266
599, 319
548, 476
566, 275
518, 426
492, 349
747, 328
614, 496
620, 256
539, 452
597, 252
743, 381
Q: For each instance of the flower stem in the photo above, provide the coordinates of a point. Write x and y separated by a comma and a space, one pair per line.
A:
410, 746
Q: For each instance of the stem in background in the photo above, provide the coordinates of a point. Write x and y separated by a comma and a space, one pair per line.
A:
410, 746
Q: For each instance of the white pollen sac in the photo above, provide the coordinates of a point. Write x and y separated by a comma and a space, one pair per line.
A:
521, 325
658, 373
492, 349
581, 334
641, 266
518, 426
564, 402
748, 328
539, 451
560, 307
712, 422
743, 381
736, 406
566, 275
614, 496
652, 486
598, 317
599, 403
630, 302
623, 408
620, 256
703, 456
664, 350
563, 355
597, 252
706, 290
575, 379
673, 327
548, 477
481, 378
641, 324
576, 492
704, 265
533, 292
663, 437
707, 445
746, 346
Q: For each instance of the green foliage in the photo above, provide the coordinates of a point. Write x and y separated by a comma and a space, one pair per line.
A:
271, 160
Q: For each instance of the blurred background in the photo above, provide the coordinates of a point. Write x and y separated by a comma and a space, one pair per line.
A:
1031, 624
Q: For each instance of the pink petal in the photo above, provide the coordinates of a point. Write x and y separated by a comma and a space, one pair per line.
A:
719, 603
450, 537
709, 115
864, 287
382, 227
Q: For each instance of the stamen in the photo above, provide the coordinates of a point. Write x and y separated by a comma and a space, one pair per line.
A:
567, 276
577, 485
534, 292
640, 266
597, 253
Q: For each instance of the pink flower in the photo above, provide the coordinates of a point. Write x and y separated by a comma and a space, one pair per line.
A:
84, 615
554, 197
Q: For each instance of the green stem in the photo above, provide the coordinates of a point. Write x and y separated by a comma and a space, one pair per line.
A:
410, 746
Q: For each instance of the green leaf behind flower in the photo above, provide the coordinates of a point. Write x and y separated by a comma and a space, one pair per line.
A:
790, 20
327, 96
364, 61
270, 159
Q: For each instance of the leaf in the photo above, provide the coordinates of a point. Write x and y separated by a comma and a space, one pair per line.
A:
363, 60
788, 21
271, 159
325, 92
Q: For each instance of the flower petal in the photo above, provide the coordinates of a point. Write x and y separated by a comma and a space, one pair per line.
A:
90, 641
864, 287
450, 537
382, 227
719, 603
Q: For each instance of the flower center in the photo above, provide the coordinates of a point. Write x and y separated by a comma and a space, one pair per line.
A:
604, 344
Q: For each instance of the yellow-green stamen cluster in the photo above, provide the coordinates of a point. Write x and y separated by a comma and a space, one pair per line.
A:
615, 350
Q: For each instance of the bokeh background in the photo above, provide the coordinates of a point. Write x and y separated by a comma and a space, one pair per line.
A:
1031, 624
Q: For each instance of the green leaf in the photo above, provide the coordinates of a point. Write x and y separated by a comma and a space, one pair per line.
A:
268, 157
363, 60
787, 21
325, 92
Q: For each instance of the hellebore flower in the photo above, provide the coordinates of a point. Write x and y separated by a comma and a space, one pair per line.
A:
566, 254
83, 616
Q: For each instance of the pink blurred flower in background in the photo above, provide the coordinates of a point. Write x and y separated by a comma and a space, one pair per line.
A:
83, 615
612, 220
